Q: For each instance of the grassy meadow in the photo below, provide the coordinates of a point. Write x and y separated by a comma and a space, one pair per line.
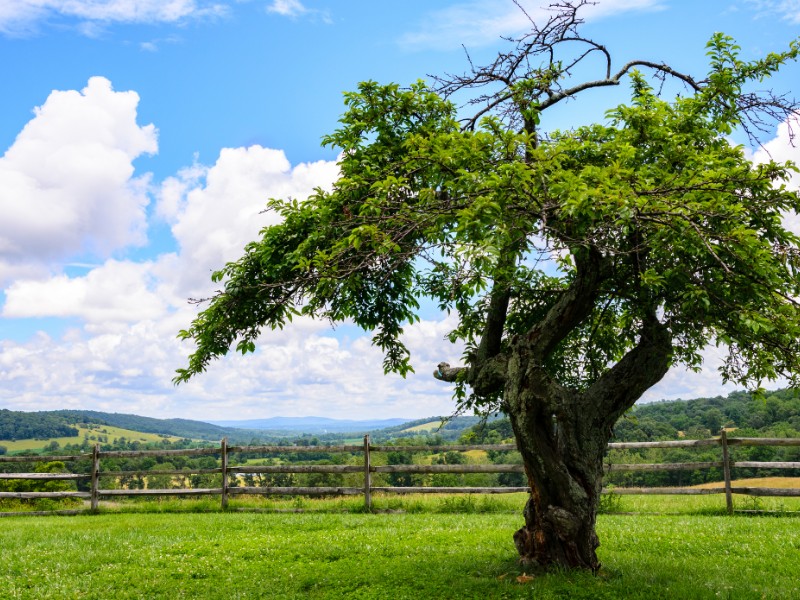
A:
417, 546
91, 433
398, 556
429, 427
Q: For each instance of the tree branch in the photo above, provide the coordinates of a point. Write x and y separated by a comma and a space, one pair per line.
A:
444, 372
496, 312
485, 378
615, 80
641, 368
574, 305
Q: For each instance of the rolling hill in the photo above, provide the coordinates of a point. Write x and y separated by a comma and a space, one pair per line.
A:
34, 430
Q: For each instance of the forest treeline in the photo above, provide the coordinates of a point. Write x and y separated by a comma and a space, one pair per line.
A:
775, 414
742, 414
16, 425
770, 414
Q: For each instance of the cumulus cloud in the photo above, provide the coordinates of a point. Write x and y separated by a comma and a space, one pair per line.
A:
67, 183
302, 370
785, 146
22, 16
215, 211
116, 292
480, 22
294, 9
683, 383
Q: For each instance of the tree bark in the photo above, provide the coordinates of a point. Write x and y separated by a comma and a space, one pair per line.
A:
562, 452
562, 436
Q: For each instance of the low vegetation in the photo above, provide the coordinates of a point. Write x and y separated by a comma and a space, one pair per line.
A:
399, 556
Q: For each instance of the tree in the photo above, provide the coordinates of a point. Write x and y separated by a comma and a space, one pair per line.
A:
582, 264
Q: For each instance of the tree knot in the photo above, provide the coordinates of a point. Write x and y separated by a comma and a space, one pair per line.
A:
564, 523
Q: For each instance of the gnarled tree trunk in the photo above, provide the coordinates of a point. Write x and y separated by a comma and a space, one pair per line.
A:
562, 435
563, 458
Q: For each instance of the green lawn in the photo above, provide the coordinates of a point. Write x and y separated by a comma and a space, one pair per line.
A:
394, 556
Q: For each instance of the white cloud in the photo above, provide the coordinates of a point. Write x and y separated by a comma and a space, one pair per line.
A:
117, 292
682, 383
788, 10
294, 9
125, 355
67, 183
21, 16
785, 146
287, 8
477, 23
301, 370
215, 211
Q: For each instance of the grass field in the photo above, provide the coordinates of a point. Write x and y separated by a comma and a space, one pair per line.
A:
103, 430
424, 427
767, 482
397, 556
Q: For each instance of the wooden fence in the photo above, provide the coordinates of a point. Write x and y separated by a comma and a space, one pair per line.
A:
224, 452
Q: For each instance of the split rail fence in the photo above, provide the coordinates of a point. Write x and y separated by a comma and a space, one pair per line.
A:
225, 452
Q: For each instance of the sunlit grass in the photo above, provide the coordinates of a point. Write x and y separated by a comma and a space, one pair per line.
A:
428, 427
397, 556
511, 504
764, 482
713, 504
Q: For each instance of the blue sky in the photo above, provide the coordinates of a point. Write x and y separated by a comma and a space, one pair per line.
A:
140, 139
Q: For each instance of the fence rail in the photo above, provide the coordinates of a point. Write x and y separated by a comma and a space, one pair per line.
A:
227, 470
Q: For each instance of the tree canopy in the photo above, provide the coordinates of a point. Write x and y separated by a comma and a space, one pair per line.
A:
669, 219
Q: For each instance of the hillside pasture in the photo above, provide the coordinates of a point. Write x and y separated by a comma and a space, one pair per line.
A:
399, 556
429, 427
93, 434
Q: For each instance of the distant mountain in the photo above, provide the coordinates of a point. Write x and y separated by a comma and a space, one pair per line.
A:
314, 425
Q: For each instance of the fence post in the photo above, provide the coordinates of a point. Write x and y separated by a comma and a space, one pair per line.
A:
367, 476
224, 461
95, 496
726, 470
